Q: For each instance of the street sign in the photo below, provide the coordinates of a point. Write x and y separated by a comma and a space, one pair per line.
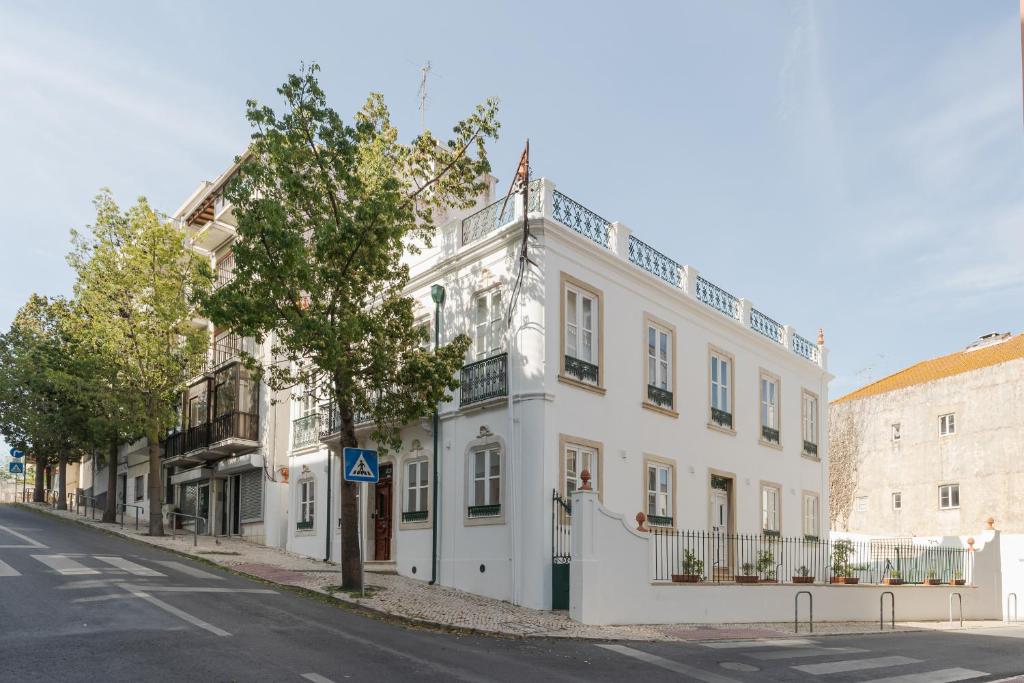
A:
360, 464
15, 453
16, 467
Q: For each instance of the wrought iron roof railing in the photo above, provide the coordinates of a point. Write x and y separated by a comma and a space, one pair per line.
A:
759, 322
653, 261
487, 219
803, 347
575, 216
717, 298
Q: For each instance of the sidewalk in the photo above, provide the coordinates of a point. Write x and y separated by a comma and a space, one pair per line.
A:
446, 608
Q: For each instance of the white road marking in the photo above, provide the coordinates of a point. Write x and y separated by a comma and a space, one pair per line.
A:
32, 543
855, 665
64, 565
938, 676
765, 642
805, 652
186, 569
171, 609
128, 565
316, 678
104, 598
202, 589
8, 570
677, 667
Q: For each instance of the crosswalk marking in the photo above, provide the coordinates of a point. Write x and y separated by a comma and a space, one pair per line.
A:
128, 566
32, 543
767, 642
64, 565
186, 569
8, 570
938, 676
805, 652
855, 665
677, 667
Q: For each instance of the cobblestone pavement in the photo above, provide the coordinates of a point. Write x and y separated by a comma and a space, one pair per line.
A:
446, 607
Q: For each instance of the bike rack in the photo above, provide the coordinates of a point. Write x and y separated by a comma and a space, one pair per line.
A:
1010, 619
892, 610
960, 598
796, 611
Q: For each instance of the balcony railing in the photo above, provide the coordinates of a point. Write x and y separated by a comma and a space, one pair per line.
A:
803, 347
196, 437
659, 520
305, 430
717, 298
769, 434
653, 261
581, 370
484, 380
487, 220
577, 217
223, 277
484, 510
330, 420
173, 445
759, 322
415, 516
659, 397
810, 448
230, 347
235, 425
721, 418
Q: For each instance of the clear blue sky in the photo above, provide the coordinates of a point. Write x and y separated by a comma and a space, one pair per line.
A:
855, 166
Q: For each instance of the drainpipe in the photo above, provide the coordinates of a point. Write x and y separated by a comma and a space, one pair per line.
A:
437, 294
329, 517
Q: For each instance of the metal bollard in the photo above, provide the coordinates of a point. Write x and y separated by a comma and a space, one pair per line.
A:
136, 518
881, 610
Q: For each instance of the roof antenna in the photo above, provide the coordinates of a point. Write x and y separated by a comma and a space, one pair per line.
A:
424, 71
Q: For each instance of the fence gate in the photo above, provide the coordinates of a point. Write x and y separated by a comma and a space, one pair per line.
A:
561, 528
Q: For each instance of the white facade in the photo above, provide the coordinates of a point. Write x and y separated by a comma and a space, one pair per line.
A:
593, 293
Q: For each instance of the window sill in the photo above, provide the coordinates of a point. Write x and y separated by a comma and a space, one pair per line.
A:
572, 381
659, 409
807, 456
482, 521
770, 444
714, 426
412, 526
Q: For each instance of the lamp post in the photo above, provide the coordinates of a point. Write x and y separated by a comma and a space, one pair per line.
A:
437, 294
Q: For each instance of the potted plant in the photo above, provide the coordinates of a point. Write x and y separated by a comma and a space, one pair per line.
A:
842, 572
691, 567
803, 575
958, 578
931, 578
895, 578
748, 575
766, 567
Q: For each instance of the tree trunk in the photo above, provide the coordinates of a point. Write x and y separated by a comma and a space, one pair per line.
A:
110, 503
48, 478
37, 489
156, 487
62, 472
351, 568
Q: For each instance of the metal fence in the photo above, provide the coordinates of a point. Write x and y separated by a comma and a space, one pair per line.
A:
694, 556
484, 379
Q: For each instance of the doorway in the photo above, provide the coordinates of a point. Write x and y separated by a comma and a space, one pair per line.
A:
203, 508
382, 515
234, 485
721, 523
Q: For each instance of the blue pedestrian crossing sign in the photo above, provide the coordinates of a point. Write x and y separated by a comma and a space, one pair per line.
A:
16, 467
360, 464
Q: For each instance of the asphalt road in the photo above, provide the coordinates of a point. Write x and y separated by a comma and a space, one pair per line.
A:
80, 605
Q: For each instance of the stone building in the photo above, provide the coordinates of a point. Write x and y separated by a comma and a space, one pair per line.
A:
934, 449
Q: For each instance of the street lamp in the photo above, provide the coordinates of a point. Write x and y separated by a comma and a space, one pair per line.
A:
437, 294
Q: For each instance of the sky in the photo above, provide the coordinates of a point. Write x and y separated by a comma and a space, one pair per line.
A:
853, 166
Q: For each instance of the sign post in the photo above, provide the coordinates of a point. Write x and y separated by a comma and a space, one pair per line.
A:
360, 465
15, 453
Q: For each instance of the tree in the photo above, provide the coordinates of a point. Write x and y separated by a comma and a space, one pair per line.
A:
325, 212
135, 293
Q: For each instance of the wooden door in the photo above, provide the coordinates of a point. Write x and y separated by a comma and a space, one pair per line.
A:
382, 515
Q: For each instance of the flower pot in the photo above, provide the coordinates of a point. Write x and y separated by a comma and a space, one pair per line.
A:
957, 582
685, 578
845, 580
803, 579
932, 582
744, 578
892, 582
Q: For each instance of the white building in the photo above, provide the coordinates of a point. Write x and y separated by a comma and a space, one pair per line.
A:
683, 401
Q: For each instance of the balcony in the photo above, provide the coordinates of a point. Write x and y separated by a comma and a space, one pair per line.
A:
484, 380
484, 510
581, 370
415, 516
721, 418
770, 435
330, 423
212, 235
229, 347
222, 277
659, 397
811, 448
305, 431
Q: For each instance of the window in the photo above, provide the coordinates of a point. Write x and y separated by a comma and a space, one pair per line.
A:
659, 358
949, 496
769, 408
897, 500
485, 496
810, 515
417, 484
721, 383
861, 503
426, 332
577, 459
140, 487
582, 338
770, 517
307, 504
810, 423
490, 324
946, 424
659, 494
895, 432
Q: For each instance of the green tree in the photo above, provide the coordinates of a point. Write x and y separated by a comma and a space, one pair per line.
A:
135, 293
325, 211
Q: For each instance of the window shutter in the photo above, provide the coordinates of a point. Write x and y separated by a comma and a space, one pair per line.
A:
251, 496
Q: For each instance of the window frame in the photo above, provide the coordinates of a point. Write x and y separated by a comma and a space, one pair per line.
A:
666, 329
764, 509
947, 424
422, 490
569, 283
485, 443
897, 500
307, 505
566, 442
857, 504
810, 416
770, 377
495, 326
717, 354
140, 495
815, 504
659, 464
896, 434
950, 489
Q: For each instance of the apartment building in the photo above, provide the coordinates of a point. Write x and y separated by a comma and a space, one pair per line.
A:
682, 401
934, 449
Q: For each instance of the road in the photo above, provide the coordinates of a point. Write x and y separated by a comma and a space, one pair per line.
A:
78, 604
